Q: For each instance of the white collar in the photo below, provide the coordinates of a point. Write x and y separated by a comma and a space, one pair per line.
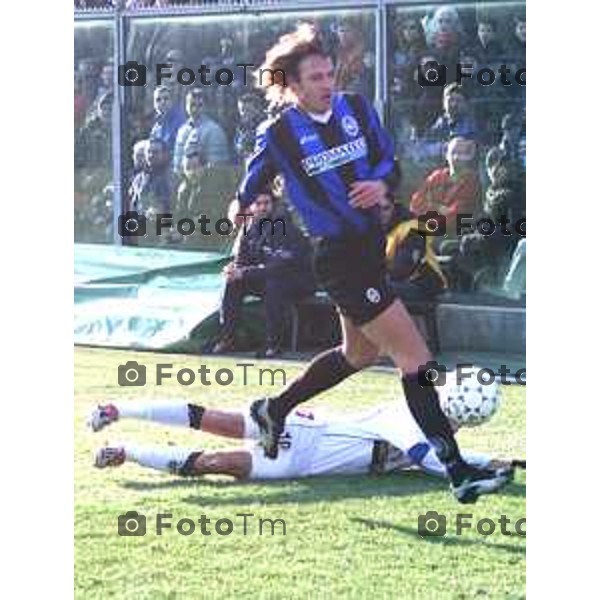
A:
322, 118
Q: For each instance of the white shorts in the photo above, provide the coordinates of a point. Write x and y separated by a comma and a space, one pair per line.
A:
310, 447
313, 446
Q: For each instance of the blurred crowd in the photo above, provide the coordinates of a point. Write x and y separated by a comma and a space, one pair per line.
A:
462, 147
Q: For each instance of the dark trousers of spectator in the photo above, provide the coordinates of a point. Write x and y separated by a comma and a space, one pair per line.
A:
278, 293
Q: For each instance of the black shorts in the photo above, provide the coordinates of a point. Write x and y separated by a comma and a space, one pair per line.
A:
352, 271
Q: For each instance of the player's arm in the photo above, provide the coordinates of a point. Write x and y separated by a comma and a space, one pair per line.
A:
260, 173
385, 174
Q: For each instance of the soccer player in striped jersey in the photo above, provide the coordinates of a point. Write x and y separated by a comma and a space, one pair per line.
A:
338, 165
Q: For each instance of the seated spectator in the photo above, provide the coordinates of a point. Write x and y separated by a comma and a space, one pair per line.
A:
251, 110
504, 200
275, 265
411, 46
517, 46
168, 117
202, 131
413, 269
443, 32
488, 49
93, 146
353, 71
152, 188
138, 158
456, 121
512, 142
189, 200
104, 86
453, 189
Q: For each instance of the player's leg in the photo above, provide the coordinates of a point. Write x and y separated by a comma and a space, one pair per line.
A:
178, 461
396, 334
327, 370
182, 414
324, 372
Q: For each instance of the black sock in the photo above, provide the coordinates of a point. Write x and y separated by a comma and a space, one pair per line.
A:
325, 371
425, 407
195, 413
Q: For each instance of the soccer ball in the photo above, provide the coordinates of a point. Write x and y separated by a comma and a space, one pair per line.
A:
469, 403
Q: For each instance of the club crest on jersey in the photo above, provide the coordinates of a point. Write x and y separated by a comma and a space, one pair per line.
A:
350, 125
373, 296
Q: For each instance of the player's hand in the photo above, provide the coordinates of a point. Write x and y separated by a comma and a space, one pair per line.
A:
365, 194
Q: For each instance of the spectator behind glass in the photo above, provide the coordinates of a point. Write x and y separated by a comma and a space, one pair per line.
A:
354, 70
152, 188
488, 48
105, 83
517, 46
453, 189
138, 157
410, 46
93, 147
512, 143
412, 266
443, 32
251, 110
168, 118
456, 121
268, 263
504, 200
189, 198
201, 131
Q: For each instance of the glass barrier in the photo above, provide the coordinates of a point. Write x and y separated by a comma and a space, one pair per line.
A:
456, 108
93, 131
188, 143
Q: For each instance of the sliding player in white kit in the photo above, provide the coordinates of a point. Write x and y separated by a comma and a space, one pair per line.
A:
379, 440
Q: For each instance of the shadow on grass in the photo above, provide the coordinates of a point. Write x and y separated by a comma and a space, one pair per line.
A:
453, 540
309, 490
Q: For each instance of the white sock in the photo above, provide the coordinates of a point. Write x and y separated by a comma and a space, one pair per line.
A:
161, 411
162, 458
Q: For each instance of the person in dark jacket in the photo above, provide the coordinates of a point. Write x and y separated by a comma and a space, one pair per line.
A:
413, 269
273, 261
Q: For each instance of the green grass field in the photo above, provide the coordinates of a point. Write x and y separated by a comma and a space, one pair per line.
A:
345, 537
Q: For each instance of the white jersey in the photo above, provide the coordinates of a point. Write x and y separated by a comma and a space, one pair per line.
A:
314, 444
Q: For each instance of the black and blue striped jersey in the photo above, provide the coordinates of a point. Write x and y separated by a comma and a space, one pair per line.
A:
320, 161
